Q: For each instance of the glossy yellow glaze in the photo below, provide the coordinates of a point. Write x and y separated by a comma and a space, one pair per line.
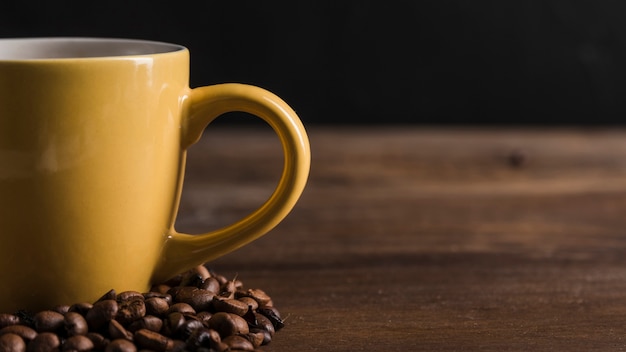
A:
92, 154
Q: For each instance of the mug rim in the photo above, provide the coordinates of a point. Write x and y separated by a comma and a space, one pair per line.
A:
29, 49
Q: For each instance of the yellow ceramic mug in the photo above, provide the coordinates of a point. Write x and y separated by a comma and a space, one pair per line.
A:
93, 135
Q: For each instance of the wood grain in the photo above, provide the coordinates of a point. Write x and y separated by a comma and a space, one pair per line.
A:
424, 239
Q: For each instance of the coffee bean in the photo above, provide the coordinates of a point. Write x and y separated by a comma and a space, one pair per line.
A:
8, 319
274, 316
166, 296
130, 310
267, 337
45, 341
23, 331
192, 279
228, 324
161, 288
77, 343
183, 308
117, 331
205, 338
250, 302
177, 346
101, 314
256, 338
229, 306
211, 284
156, 306
75, 324
208, 313
129, 295
48, 321
99, 341
258, 295
173, 292
220, 278
228, 289
263, 323
239, 343
121, 345
61, 309
149, 322
188, 327
109, 295
12, 343
80, 308
172, 323
198, 299
204, 317
151, 340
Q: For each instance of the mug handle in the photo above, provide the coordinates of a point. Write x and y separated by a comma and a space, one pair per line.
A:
183, 251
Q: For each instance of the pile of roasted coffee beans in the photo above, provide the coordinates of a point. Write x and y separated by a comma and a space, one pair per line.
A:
198, 311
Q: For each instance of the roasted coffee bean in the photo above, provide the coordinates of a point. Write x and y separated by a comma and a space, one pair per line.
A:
156, 306
75, 324
99, 341
101, 314
151, 340
46, 341
166, 296
239, 343
61, 309
77, 343
182, 308
129, 295
205, 338
250, 302
23, 331
274, 316
109, 295
177, 346
229, 306
267, 337
211, 284
264, 323
12, 343
202, 271
130, 310
121, 345
161, 288
188, 327
256, 338
228, 324
149, 322
174, 291
228, 289
117, 331
194, 277
81, 308
171, 318
8, 319
48, 321
258, 295
172, 323
197, 298
204, 317
220, 278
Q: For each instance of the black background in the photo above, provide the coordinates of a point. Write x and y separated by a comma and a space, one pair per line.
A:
380, 62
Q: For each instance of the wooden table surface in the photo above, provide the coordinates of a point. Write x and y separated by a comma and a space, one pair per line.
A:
429, 239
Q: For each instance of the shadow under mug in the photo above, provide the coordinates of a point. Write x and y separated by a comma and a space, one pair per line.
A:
93, 138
